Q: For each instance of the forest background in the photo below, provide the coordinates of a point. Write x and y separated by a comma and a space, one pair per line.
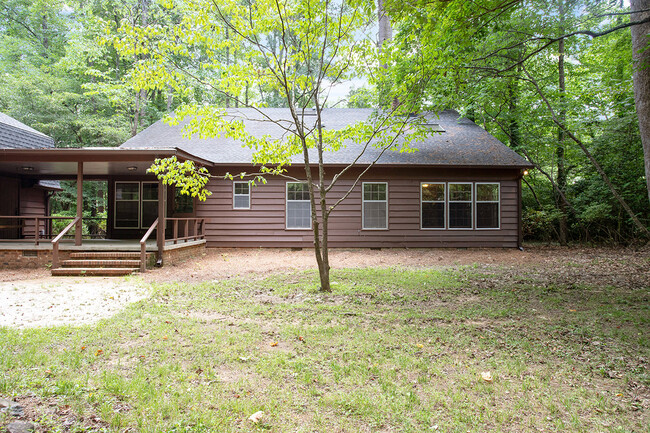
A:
551, 79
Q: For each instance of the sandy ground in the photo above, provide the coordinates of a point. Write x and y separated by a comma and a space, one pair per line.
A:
52, 301
30, 298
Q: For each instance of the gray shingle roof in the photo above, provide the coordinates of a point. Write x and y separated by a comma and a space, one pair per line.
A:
17, 135
463, 143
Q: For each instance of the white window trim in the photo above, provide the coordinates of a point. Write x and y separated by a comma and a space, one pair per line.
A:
235, 195
142, 200
286, 209
471, 202
476, 202
363, 207
115, 200
444, 201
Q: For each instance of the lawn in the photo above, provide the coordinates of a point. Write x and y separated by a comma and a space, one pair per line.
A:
391, 349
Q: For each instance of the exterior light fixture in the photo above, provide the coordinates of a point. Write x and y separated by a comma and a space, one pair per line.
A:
425, 185
525, 172
132, 168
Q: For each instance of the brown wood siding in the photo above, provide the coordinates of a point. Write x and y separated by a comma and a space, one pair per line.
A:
33, 201
263, 225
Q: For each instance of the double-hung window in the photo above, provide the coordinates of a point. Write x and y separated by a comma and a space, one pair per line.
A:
460, 205
487, 205
375, 205
433, 205
298, 206
241, 195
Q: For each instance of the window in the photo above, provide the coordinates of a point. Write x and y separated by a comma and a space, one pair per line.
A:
487, 205
433, 205
127, 205
298, 206
149, 203
241, 195
375, 205
460, 205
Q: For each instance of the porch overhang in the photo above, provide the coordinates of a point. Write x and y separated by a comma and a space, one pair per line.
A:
62, 163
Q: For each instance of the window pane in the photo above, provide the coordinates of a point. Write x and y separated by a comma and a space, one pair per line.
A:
241, 202
374, 215
460, 215
433, 192
149, 191
127, 191
487, 192
149, 213
241, 188
298, 215
487, 215
374, 191
433, 215
126, 214
460, 192
297, 191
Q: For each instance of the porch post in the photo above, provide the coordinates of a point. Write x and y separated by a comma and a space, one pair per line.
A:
162, 224
78, 231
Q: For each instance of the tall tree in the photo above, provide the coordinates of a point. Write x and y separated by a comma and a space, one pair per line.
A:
488, 43
641, 50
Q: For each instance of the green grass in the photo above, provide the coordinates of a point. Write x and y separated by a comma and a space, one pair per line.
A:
389, 350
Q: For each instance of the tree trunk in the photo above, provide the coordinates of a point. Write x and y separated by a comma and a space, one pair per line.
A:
641, 77
560, 150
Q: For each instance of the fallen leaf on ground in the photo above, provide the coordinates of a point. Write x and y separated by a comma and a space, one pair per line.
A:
486, 376
275, 343
256, 417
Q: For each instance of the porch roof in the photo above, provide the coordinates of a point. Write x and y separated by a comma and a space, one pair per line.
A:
61, 163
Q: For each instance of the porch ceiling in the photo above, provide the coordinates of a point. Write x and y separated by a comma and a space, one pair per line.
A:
97, 162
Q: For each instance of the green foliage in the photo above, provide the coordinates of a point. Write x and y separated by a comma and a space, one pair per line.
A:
499, 63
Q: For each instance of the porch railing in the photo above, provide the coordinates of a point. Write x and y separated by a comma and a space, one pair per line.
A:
143, 246
23, 223
197, 231
56, 240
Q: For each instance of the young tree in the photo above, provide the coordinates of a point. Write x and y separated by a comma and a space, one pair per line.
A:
296, 50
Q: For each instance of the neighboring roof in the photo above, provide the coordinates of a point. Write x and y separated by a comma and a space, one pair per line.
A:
17, 135
463, 143
50, 185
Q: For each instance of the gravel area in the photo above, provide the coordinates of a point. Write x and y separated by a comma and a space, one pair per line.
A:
52, 301
33, 298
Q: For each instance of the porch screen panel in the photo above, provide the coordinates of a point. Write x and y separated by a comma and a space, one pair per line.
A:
149, 203
127, 204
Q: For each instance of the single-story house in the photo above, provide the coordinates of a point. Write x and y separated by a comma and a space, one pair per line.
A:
462, 188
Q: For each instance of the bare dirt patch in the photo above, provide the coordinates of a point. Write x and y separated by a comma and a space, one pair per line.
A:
53, 301
618, 265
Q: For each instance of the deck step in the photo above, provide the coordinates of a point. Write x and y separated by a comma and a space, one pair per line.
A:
104, 263
95, 272
105, 255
